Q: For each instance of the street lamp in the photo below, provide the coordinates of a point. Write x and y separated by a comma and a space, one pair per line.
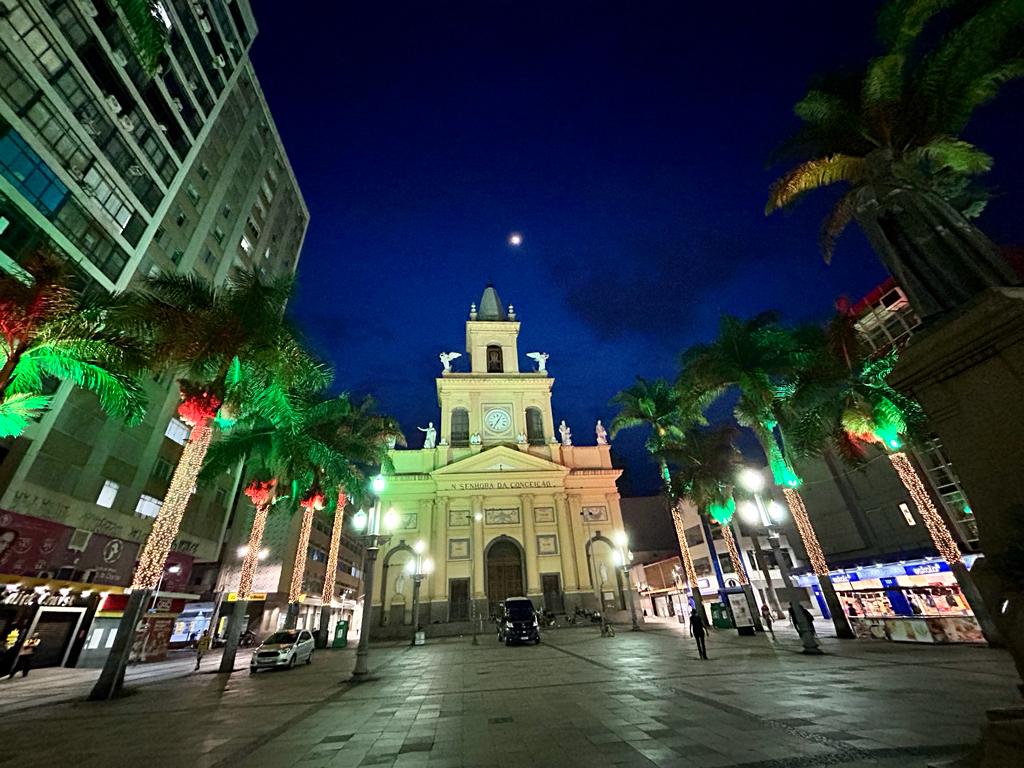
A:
754, 482
623, 557
173, 569
372, 538
417, 567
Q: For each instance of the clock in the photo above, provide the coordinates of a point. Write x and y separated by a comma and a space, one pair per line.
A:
497, 420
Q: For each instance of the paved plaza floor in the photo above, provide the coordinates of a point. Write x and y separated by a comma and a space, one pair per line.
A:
638, 699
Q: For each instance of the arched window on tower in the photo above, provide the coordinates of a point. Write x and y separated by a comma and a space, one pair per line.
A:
494, 361
460, 426
534, 426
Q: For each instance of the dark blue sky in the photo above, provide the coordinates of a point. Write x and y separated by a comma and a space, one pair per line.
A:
627, 142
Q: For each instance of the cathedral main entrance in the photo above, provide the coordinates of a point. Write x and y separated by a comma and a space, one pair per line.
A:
504, 573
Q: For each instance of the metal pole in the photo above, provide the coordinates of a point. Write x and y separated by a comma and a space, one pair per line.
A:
632, 604
362, 670
762, 562
806, 632
416, 580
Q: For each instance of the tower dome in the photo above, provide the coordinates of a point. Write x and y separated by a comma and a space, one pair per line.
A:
490, 307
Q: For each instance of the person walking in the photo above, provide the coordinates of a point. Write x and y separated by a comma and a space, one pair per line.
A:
766, 615
699, 632
24, 662
202, 646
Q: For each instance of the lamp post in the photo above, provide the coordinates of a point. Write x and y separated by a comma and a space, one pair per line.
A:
370, 523
418, 567
753, 481
623, 556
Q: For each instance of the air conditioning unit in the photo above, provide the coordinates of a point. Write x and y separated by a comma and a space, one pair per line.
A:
162, 127
204, 24
76, 173
177, 103
136, 170
126, 122
79, 539
193, 85
112, 102
88, 8
88, 189
219, 61
119, 58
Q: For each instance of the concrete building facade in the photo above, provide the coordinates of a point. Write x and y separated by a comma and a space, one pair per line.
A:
126, 170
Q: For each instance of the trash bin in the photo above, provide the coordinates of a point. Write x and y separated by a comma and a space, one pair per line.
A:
340, 634
720, 616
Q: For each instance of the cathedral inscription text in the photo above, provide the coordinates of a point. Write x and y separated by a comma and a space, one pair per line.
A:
499, 485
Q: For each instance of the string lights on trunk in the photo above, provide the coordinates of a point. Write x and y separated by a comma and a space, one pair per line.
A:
806, 530
261, 494
332, 555
734, 555
942, 538
691, 572
313, 502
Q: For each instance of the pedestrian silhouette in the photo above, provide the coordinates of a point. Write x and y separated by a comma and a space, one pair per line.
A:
699, 631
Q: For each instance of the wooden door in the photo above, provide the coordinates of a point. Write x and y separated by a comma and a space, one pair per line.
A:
458, 600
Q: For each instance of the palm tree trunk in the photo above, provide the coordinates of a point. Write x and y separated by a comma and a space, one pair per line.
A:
154, 553
299, 568
945, 544
252, 553
7, 372
684, 550
327, 596
818, 563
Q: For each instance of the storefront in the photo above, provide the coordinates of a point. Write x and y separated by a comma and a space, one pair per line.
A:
916, 601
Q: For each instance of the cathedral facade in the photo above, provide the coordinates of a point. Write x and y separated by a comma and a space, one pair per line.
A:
500, 499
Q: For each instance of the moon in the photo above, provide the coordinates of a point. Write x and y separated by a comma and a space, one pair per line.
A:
515, 239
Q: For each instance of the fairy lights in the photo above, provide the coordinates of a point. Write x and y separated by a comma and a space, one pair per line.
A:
943, 539
261, 494
691, 572
168, 519
806, 530
734, 555
309, 505
332, 554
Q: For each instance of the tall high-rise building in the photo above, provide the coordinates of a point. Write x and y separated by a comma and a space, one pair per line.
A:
126, 157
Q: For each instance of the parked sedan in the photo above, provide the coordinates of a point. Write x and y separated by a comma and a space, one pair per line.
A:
283, 649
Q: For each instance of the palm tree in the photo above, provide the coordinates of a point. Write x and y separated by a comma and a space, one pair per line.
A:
237, 356
669, 413
703, 466
47, 329
147, 30
893, 137
757, 358
842, 400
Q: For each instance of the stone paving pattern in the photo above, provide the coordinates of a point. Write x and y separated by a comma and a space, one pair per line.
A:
639, 699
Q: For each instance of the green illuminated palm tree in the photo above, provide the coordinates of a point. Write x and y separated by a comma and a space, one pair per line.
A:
238, 357
670, 413
892, 136
757, 359
48, 330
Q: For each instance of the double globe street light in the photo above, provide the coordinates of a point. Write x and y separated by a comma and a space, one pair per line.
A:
623, 557
756, 512
371, 524
418, 567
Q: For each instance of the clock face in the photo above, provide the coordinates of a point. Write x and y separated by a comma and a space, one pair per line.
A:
497, 420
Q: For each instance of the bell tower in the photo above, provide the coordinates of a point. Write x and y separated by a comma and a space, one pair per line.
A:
491, 335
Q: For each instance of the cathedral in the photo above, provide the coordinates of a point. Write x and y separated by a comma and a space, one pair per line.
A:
500, 500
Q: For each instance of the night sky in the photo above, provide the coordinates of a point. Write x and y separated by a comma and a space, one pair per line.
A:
627, 142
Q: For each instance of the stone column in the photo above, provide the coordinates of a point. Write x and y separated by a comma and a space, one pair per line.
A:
530, 547
581, 535
439, 550
478, 548
566, 545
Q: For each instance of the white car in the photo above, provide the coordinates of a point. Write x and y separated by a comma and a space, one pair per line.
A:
285, 648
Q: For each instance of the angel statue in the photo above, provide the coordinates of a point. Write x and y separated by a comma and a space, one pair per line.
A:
602, 433
565, 432
541, 358
430, 437
446, 360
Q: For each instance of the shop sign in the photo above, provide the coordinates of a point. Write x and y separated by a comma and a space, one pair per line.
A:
926, 569
49, 599
253, 597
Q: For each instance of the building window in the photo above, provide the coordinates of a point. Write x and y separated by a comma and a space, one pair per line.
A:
204, 171
460, 426
176, 256
193, 194
208, 257
163, 469
317, 554
534, 426
226, 211
246, 245
177, 431
494, 361
220, 497
702, 566
218, 234
32, 177
107, 494
148, 506
181, 218
694, 536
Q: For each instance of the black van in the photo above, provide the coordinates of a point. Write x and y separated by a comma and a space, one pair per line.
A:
518, 622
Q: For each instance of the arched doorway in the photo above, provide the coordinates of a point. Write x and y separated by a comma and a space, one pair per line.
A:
504, 572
